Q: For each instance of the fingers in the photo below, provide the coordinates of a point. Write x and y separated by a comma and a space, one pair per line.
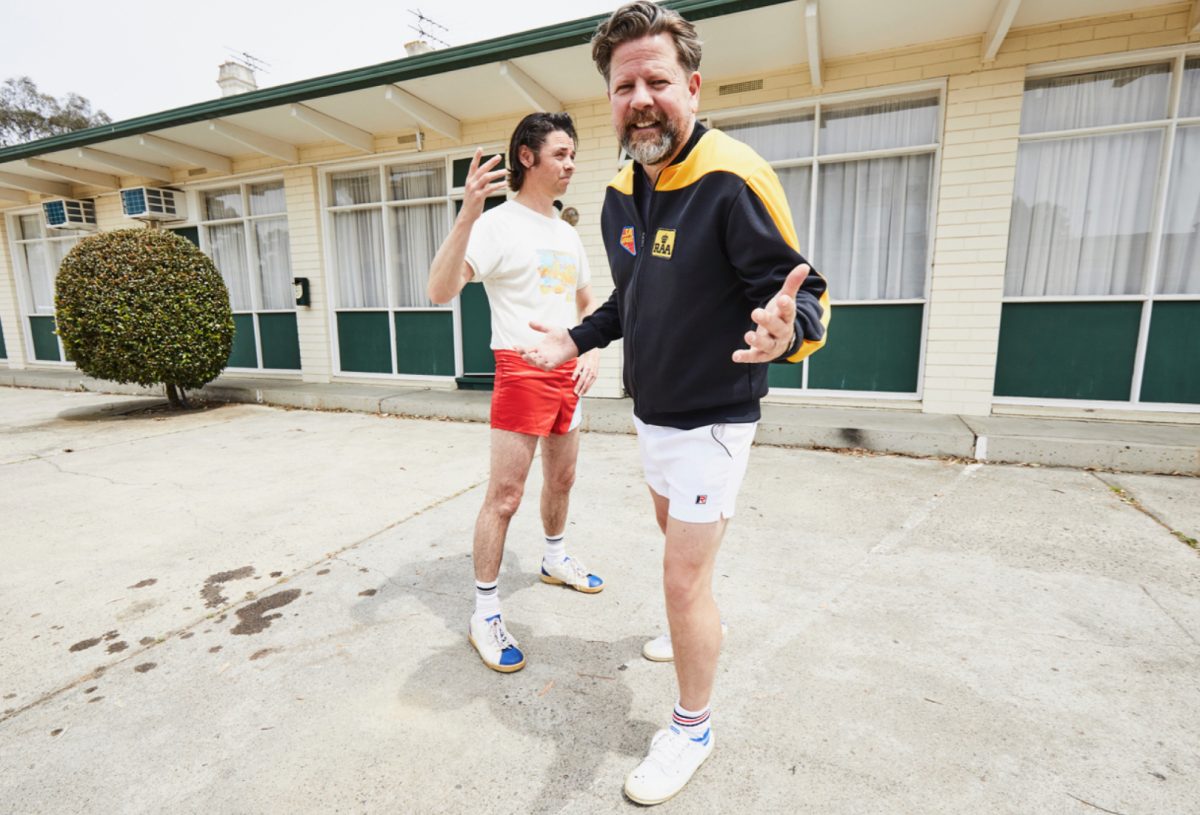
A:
795, 279
539, 327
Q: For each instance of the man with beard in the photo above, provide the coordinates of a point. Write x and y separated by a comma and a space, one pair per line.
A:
704, 257
533, 267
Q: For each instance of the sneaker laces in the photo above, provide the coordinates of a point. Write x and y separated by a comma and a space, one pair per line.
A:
666, 748
501, 636
576, 569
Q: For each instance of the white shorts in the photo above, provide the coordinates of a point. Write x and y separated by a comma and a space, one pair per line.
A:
698, 471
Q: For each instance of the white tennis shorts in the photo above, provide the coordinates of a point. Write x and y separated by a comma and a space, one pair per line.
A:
698, 471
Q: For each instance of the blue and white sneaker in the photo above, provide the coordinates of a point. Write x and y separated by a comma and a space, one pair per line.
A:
670, 764
570, 572
497, 648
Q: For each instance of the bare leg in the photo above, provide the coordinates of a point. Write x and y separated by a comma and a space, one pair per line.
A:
511, 456
691, 553
559, 454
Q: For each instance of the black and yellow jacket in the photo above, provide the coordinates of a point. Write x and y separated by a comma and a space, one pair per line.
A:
690, 260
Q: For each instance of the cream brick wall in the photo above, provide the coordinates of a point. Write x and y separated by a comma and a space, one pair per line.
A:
10, 311
308, 260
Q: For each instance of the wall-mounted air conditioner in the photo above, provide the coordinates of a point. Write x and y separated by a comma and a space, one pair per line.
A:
153, 204
65, 213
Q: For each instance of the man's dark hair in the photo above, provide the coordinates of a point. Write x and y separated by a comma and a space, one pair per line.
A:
642, 18
532, 133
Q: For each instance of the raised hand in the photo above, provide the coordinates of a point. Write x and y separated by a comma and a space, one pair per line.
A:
776, 322
482, 182
556, 348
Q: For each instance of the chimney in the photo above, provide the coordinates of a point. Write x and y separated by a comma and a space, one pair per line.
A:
415, 47
235, 78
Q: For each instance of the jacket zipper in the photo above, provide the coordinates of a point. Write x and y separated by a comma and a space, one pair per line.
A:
637, 266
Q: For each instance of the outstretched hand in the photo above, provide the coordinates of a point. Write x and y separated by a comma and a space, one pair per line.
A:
483, 181
556, 348
776, 322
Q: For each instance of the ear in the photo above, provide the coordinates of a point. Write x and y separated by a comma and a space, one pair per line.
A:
693, 85
526, 156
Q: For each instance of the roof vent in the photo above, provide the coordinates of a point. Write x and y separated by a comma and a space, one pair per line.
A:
415, 47
740, 87
235, 78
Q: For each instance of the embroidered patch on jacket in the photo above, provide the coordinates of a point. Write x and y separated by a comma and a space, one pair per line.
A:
664, 243
701, 499
627, 240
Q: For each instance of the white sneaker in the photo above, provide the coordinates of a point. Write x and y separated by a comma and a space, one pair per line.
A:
659, 649
497, 648
670, 764
573, 573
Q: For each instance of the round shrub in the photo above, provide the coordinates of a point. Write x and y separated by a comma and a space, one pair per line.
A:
144, 306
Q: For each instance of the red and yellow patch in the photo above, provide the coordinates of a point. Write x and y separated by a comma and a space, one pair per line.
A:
627, 242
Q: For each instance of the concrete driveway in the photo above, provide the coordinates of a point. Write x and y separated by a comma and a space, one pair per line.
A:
249, 610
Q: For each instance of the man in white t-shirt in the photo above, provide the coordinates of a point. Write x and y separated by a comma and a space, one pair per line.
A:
533, 268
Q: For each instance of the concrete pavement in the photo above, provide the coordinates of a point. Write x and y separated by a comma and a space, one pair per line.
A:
251, 609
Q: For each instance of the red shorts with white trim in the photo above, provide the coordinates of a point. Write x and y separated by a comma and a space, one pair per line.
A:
528, 400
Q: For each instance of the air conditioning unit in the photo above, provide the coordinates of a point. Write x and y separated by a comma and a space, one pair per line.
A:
65, 213
153, 204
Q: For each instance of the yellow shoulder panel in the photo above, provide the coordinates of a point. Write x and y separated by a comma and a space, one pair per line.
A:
623, 183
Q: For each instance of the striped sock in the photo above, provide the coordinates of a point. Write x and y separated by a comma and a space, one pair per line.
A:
487, 599
556, 550
692, 723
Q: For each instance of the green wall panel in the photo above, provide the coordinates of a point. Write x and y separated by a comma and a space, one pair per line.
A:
1172, 372
476, 331
364, 342
45, 343
871, 348
3, 347
243, 353
280, 341
425, 342
1067, 350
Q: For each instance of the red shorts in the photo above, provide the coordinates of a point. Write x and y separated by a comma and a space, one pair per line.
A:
529, 400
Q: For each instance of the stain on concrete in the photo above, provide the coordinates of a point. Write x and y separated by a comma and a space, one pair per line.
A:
10, 696
141, 584
255, 617
92, 689
214, 649
145, 640
56, 731
211, 593
109, 636
137, 609
95, 699
852, 436
323, 571
276, 574
262, 653
145, 666
118, 647
187, 635
367, 593
83, 645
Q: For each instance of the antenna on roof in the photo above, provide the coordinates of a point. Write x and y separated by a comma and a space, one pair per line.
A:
424, 26
248, 60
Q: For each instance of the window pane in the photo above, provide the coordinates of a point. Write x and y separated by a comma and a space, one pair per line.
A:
418, 181
1090, 100
879, 125
267, 199
358, 258
797, 186
358, 187
418, 232
274, 263
1081, 215
873, 227
223, 204
776, 139
227, 248
460, 166
31, 226
1180, 270
1189, 104
41, 278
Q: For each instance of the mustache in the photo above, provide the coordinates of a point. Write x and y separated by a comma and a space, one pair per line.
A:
654, 117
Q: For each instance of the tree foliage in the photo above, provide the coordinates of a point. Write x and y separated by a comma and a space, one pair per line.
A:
144, 306
27, 114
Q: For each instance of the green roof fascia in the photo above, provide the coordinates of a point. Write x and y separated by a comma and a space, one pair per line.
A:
534, 41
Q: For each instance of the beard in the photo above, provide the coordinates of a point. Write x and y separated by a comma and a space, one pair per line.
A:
650, 151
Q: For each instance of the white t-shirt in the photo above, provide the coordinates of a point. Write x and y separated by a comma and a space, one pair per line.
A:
531, 267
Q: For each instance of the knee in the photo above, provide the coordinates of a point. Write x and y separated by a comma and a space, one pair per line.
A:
505, 499
561, 481
683, 583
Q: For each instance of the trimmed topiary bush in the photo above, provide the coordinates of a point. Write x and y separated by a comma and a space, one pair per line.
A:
144, 306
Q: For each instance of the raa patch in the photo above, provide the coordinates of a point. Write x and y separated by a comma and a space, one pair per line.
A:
627, 240
664, 243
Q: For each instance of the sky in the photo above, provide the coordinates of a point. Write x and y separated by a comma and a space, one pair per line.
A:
132, 57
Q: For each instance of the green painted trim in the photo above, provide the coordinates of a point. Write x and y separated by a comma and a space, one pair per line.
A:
3, 347
280, 341
243, 353
1172, 372
45, 341
535, 41
363, 342
425, 342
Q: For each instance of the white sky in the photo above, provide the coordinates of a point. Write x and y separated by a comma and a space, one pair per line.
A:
134, 57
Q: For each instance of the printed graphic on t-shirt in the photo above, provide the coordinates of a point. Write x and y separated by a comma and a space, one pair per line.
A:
557, 273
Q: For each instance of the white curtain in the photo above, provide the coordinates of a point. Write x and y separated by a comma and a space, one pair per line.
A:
776, 139
274, 263
418, 232
358, 187
873, 227
1189, 105
227, 248
221, 204
358, 258
1179, 272
1113, 97
879, 126
1081, 215
797, 186
412, 181
267, 199
42, 257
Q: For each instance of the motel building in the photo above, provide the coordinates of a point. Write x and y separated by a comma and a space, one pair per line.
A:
1004, 196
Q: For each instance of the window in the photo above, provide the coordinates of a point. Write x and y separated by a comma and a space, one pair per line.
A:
1102, 277
39, 252
868, 166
